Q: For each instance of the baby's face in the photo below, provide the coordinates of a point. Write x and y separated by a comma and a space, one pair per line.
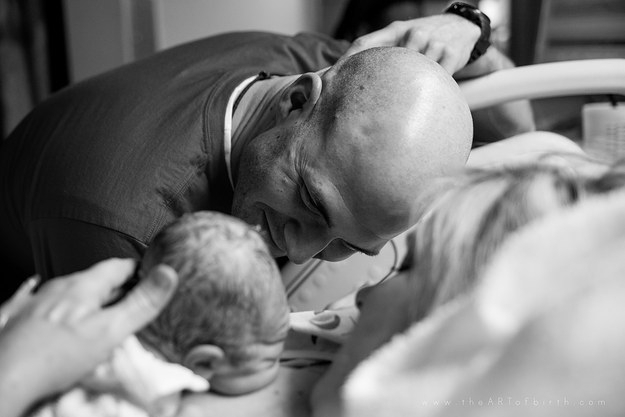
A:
251, 375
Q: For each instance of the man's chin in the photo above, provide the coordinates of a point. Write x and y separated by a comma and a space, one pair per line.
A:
273, 249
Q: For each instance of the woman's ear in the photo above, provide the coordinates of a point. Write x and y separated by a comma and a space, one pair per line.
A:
301, 95
205, 360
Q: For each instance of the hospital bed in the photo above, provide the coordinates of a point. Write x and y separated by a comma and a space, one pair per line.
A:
316, 284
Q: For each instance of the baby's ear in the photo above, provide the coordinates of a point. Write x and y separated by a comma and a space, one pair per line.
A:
205, 360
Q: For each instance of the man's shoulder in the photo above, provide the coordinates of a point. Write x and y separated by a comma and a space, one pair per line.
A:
274, 52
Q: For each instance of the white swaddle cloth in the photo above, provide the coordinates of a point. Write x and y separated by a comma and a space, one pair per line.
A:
132, 383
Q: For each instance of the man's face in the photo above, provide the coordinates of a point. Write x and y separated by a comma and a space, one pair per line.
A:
301, 195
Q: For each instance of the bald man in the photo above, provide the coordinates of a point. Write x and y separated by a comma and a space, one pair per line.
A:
349, 151
327, 161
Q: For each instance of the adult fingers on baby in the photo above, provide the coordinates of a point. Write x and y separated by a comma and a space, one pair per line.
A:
417, 39
18, 300
97, 283
26, 288
71, 298
142, 304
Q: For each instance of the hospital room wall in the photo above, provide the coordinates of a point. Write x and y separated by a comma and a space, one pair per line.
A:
104, 34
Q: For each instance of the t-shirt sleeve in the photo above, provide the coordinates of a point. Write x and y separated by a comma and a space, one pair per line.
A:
317, 51
62, 246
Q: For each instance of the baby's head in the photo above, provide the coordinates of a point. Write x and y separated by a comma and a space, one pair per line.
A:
229, 317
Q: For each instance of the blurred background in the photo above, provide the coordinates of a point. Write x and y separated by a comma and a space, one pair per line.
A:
46, 45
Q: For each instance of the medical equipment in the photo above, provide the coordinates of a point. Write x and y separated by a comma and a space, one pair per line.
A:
604, 129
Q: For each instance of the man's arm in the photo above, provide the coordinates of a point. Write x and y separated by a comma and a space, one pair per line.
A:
65, 246
502, 121
62, 332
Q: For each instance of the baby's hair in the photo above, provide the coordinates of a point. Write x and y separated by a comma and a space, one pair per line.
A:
470, 220
230, 292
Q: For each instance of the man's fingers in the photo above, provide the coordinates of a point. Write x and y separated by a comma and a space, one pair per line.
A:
452, 63
391, 36
144, 302
23, 294
415, 39
435, 51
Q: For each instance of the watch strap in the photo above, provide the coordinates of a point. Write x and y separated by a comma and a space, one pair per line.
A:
476, 16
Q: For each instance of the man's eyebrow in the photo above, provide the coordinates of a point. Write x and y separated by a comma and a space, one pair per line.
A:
321, 206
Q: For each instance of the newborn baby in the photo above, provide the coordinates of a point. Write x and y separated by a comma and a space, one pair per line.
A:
225, 325
229, 317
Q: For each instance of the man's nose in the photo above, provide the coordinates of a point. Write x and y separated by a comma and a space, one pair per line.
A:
304, 241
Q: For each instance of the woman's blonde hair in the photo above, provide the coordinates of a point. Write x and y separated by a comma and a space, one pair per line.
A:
480, 208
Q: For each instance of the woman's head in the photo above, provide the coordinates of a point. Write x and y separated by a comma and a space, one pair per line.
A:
480, 208
472, 214
540, 325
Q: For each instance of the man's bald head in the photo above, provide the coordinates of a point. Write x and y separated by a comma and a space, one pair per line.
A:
352, 151
398, 120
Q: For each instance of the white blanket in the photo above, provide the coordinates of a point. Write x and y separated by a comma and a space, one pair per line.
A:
132, 383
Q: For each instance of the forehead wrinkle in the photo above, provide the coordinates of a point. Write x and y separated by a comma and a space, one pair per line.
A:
298, 157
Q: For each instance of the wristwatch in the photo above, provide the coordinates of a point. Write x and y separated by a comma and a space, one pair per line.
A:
476, 16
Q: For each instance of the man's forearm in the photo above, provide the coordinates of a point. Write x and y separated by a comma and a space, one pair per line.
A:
493, 60
506, 119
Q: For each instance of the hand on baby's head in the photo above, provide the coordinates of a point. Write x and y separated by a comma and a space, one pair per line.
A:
230, 314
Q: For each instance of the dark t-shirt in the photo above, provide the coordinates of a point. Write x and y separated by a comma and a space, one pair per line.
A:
100, 167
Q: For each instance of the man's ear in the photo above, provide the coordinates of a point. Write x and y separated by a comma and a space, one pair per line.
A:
205, 360
301, 95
